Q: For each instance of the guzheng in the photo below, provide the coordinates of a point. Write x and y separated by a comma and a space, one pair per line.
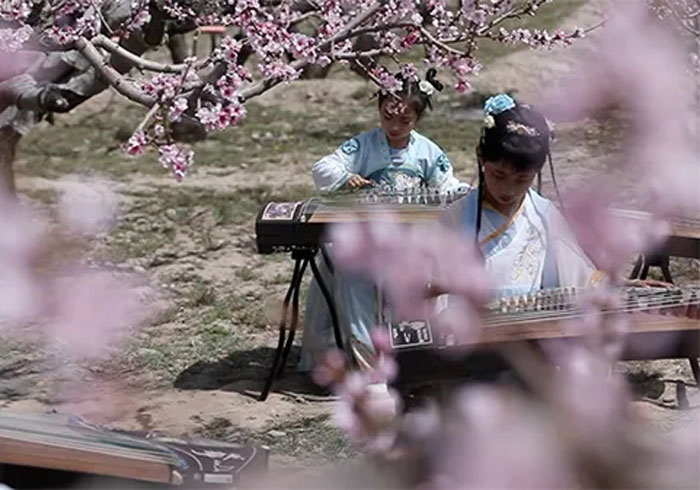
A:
69, 443
684, 236
301, 225
546, 315
289, 226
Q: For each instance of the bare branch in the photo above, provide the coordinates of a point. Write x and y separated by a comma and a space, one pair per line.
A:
510, 14
149, 115
369, 74
431, 40
361, 54
103, 21
101, 41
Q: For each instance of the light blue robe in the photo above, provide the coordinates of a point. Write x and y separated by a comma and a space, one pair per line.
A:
421, 163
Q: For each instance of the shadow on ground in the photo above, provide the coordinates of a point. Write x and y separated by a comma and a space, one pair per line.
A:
245, 372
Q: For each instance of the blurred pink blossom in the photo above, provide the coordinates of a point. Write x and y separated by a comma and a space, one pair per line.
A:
82, 311
610, 240
331, 370
368, 411
87, 206
639, 67
20, 243
493, 438
90, 312
405, 260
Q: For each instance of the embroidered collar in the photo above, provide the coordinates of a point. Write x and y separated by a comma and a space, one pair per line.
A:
384, 141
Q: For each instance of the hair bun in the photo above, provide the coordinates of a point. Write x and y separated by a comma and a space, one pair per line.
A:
431, 77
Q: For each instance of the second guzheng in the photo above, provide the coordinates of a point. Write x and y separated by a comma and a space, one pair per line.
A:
289, 226
302, 225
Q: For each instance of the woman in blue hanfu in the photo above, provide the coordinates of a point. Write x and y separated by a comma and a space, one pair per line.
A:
523, 237
393, 158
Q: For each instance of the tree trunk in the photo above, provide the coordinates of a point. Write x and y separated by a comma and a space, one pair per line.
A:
9, 138
178, 48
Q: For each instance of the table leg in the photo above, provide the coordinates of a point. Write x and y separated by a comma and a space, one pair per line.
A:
293, 285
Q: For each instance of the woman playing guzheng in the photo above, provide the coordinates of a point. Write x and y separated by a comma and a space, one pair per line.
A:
394, 158
523, 237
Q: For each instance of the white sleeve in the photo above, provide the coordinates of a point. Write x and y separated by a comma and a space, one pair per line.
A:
332, 171
573, 267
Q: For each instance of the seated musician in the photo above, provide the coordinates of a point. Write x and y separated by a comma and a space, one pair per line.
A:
523, 237
394, 158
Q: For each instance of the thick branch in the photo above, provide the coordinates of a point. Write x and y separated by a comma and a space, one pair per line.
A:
112, 76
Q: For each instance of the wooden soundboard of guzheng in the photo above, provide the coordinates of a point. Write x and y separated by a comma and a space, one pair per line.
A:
68, 443
407, 214
552, 314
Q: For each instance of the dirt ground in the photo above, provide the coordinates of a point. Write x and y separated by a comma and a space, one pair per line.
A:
195, 366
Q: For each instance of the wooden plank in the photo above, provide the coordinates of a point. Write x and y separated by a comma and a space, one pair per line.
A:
38, 455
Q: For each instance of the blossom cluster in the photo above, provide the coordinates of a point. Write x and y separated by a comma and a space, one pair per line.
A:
285, 36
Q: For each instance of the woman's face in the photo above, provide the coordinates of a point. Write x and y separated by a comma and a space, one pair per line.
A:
505, 185
398, 120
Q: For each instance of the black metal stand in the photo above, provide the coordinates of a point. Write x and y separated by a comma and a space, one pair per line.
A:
302, 258
641, 267
641, 271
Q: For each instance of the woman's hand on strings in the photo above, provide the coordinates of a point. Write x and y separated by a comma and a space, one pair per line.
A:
648, 283
357, 182
689, 311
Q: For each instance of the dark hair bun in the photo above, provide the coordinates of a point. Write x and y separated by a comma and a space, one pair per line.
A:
430, 76
519, 135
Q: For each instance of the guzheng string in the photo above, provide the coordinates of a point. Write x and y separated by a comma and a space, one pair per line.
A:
561, 304
67, 433
419, 196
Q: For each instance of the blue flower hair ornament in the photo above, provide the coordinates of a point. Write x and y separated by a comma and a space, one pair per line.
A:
498, 103
495, 105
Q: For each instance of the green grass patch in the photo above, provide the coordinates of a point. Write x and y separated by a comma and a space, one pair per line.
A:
88, 147
172, 352
126, 243
273, 136
201, 294
449, 134
234, 207
246, 274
